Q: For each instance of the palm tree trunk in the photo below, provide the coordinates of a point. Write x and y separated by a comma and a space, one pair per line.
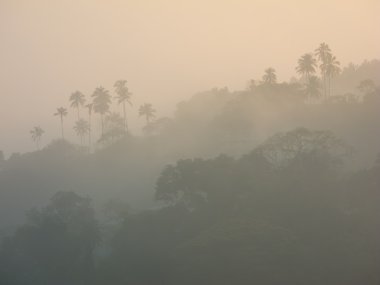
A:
324, 86
78, 112
101, 117
125, 118
89, 133
63, 137
329, 86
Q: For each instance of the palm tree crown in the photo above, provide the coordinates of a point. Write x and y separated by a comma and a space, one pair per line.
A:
37, 133
81, 128
77, 100
322, 51
147, 111
331, 66
270, 76
61, 112
306, 65
101, 102
123, 95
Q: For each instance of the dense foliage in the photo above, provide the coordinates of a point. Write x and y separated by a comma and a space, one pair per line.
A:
285, 212
275, 184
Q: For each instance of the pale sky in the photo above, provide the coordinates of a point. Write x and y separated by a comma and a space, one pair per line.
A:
166, 49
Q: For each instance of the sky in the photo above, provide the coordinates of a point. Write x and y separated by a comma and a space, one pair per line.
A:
166, 49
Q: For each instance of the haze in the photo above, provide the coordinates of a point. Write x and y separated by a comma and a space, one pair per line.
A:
169, 142
167, 50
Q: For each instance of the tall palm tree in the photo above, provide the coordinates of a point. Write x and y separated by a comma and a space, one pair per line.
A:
123, 96
101, 101
61, 112
77, 100
147, 111
89, 108
322, 53
270, 76
306, 65
81, 128
331, 68
37, 133
313, 87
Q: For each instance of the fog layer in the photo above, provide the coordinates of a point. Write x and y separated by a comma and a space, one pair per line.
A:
168, 50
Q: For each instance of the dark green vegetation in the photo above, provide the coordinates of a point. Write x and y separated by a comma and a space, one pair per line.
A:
275, 184
284, 212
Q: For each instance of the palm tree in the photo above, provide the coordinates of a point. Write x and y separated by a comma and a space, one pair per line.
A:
61, 112
77, 100
147, 111
270, 76
313, 87
89, 108
81, 128
37, 133
306, 65
331, 68
322, 52
123, 95
101, 101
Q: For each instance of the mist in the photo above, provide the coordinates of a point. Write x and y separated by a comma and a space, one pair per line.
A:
167, 50
189, 142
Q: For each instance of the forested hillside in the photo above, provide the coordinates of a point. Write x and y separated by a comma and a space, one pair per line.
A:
276, 183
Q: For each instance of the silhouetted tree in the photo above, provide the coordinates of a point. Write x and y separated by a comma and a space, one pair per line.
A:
270, 76
147, 111
313, 87
367, 86
77, 100
322, 52
56, 244
300, 147
331, 68
306, 65
37, 133
89, 108
101, 101
123, 96
114, 128
61, 112
81, 128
